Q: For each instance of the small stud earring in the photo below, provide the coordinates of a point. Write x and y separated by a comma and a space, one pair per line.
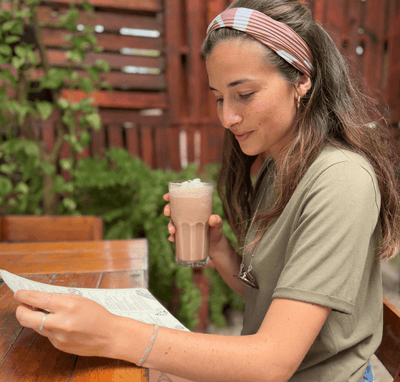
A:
298, 102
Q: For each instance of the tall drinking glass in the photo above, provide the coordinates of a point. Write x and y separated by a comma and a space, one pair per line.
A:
191, 206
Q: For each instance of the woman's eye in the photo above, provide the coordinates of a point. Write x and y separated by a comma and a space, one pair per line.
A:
219, 100
246, 96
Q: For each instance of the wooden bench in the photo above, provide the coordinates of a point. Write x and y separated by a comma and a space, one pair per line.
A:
30, 228
389, 350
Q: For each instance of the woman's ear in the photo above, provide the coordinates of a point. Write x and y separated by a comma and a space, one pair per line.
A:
303, 85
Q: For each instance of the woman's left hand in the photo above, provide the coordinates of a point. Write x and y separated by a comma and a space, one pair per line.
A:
74, 325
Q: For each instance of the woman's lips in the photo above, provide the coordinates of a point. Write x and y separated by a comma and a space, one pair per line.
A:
242, 137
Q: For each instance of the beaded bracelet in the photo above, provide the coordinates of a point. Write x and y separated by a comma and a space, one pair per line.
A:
151, 343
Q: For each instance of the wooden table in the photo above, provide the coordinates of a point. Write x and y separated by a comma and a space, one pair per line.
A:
27, 356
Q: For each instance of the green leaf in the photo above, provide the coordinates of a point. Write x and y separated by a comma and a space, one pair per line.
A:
22, 14
8, 25
86, 105
66, 164
69, 204
53, 79
87, 7
86, 84
91, 39
31, 56
22, 188
93, 72
22, 110
4, 60
8, 168
48, 168
18, 28
45, 109
5, 50
85, 138
32, 3
63, 104
21, 51
75, 56
31, 148
103, 65
11, 39
6, 185
18, 62
94, 120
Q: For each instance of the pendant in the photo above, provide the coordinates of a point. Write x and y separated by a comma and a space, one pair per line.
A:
246, 278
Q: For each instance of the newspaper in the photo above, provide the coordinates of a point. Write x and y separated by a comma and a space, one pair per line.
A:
136, 303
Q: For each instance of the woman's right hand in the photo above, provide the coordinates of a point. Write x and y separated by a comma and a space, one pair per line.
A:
215, 223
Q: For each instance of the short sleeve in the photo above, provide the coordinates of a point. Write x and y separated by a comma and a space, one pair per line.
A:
333, 237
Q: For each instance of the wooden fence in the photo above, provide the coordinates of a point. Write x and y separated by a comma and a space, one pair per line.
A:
161, 108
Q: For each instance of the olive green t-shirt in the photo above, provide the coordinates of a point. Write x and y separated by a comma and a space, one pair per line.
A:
321, 250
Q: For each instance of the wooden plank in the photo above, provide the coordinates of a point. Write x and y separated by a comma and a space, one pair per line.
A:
319, 11
56, 368
392, 91
10, 328
120, 80
389, 349
203, 284
190, 143
214, 8
161, 149
195, 34
106, 369
173, 146
30, 228
124, 279
374, 47
98, 142
353, 30
48, 131
132, 140
137, 5
115, 61
131, 116
112, 42
146, 144
111, 21
173, 41
114, 133
67, 257
103, 369
119, 99
334, 21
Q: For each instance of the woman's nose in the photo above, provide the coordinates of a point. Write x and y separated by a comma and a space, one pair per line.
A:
229, 116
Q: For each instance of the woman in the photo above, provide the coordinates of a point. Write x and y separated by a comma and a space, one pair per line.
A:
324, 201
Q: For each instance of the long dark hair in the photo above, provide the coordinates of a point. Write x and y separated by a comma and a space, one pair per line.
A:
333, 111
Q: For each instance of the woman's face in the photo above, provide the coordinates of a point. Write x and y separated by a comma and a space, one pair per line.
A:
254, 102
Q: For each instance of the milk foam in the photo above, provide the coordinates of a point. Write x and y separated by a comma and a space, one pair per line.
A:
192, 188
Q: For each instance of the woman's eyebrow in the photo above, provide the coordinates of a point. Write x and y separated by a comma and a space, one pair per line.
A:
235, 83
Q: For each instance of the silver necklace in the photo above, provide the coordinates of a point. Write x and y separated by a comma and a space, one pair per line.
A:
245, 277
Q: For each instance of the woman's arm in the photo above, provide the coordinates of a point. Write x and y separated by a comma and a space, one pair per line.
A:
223, 255
80, 326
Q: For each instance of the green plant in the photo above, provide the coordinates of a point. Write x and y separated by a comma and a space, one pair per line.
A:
31, 90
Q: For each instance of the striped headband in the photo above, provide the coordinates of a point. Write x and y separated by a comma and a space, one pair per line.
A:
276, 35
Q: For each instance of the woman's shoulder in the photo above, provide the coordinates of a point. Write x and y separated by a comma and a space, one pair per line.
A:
332, 156
342, 170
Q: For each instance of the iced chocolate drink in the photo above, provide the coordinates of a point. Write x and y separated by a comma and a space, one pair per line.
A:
191, 207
